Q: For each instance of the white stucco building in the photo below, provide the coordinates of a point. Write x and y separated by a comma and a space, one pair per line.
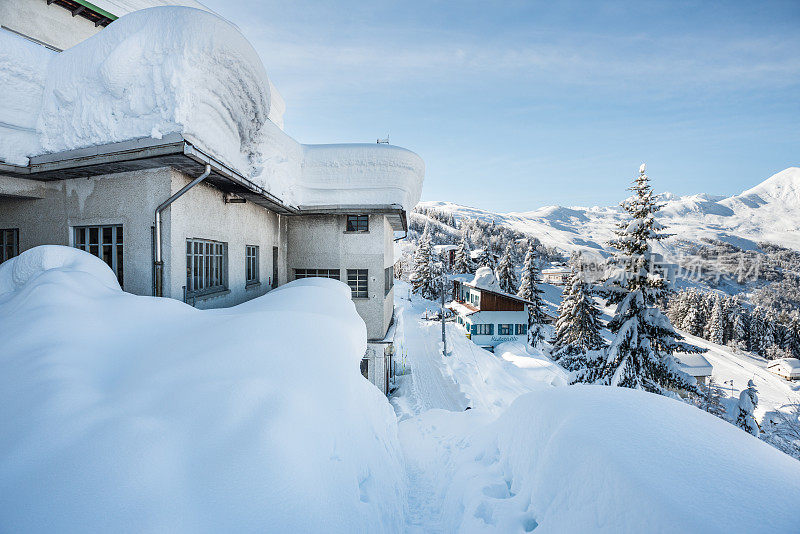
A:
181, 178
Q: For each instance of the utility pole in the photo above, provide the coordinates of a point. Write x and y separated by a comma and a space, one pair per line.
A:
444, 338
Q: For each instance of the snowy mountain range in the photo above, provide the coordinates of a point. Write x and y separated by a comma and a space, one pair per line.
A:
767, 212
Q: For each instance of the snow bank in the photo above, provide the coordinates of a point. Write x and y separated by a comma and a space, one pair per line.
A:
125, 413
181, 70
590, 458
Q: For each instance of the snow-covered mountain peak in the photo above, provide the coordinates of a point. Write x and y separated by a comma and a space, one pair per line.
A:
767, 212
782, 187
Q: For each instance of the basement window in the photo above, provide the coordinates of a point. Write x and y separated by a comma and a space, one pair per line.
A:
105, 242
335, 274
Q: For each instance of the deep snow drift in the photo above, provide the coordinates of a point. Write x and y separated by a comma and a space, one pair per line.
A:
179, 70
601, 459
126, 413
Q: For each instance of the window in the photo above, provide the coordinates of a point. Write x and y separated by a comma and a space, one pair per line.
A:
365, 368
251, 264
320, 273
357, 280
521, 329
504, 329
483, 330
9, 243
105, 242
206, 266
357, 223
388, 282
274, 267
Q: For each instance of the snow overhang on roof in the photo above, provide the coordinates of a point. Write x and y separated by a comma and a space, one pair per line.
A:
695, 365
176, 70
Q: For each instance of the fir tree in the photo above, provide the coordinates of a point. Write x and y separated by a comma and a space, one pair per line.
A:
463, 264
640, 356
486, 258
715, 329
530, 291
424, 277
748, 401
578, 326
505, 272
713, 399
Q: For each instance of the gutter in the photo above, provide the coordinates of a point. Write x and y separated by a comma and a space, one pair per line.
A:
158, 263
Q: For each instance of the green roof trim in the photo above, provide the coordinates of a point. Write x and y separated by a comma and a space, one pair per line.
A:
89, 5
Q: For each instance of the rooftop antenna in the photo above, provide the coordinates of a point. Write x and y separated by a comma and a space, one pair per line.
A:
383, 141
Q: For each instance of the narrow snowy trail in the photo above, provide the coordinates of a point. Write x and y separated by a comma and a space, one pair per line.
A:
428, 386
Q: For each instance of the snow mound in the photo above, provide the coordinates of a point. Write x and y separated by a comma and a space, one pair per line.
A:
20, 270
485, 279
158, 71
601, 459
136, 414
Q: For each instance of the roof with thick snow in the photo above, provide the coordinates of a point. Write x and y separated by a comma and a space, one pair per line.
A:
694, 364
176, 70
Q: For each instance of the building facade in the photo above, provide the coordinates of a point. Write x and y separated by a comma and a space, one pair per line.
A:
171, 218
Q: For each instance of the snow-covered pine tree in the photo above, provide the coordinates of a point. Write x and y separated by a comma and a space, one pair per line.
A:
424, 276
716, 330
463, 264
748, 401
794, 335
529, 290
578, 326
641, 354
506, 276
486, 258
713, 398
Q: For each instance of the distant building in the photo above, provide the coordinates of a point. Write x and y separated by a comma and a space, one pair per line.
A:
695, 365
488, 315
788, 368
558, 275
182, 215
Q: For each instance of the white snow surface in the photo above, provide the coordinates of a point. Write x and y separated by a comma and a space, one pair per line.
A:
182, 70
123, 413
768, 212
533, 453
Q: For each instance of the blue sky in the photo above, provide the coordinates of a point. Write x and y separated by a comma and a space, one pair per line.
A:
516, 105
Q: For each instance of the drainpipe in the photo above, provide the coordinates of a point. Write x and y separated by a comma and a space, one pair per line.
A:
158, 263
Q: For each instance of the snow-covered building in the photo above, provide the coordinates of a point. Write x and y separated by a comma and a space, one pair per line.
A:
788, 368
156, 142
488, 315
557, 275
695, 365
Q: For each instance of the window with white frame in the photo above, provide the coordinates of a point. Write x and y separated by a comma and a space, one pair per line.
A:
251, 264
504, 329
357, 223
105, 242
357, 280
206, 266
9, 243
521, 329
319, 273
